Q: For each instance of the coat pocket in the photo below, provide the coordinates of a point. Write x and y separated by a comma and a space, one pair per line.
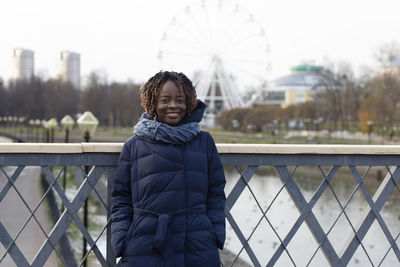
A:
214, 234
212, 231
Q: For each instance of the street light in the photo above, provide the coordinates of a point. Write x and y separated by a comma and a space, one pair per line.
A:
67, 123
15, 124
30, 127
5, 119
274, 130
21, 121
370, 125
87, 124
52, 125
9, 120
46, 135
37, 122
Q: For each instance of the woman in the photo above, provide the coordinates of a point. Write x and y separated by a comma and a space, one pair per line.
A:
168, 195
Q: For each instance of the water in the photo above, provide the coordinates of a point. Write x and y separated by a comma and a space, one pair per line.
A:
282, 215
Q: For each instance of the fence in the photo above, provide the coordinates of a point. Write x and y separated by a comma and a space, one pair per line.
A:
357, 165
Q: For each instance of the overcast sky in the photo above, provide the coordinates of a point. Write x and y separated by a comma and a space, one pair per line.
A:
122, 37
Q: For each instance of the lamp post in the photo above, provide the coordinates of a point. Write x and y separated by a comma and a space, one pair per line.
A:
21, 121
87, 124
30, 132
10, 119
274, 130
370, 125
37, 126
46, 134
52, 125
67, 123
15, 125
5, 119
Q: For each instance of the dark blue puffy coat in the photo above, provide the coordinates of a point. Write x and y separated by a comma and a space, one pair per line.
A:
168, 203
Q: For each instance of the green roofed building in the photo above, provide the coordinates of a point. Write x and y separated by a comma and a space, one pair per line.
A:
393, 68
299, 86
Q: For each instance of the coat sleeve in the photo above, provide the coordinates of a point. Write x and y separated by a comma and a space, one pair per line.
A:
216, 195
122, 211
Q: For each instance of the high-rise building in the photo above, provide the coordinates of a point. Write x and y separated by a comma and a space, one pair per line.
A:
69, 68
22, 64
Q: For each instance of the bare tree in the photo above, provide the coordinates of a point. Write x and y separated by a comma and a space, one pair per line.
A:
125, 104
387, 53
28, 98
62, 98
3, 100
261, 117
115, 104
96, 98
382, 100
380, 108
233, 119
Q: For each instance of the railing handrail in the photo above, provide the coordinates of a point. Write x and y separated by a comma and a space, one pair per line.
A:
74, 148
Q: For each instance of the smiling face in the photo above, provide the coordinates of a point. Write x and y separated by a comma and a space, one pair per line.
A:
171, 104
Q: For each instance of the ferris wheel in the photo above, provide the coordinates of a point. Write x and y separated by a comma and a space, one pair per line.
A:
222, 48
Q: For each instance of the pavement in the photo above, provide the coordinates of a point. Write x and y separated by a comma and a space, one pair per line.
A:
4, 140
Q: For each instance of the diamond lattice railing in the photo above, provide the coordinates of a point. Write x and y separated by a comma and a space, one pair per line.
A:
281, 210
339, 256
69, 215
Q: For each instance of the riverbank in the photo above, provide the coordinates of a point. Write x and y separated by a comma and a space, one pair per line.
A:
121, 134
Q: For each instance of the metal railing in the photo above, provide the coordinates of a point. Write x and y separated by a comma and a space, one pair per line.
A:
355, 164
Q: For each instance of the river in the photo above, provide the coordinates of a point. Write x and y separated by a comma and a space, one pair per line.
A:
265, 185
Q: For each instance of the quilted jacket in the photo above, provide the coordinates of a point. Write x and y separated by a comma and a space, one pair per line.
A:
168, 203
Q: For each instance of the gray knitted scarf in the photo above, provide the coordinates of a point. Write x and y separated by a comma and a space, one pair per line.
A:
155, 131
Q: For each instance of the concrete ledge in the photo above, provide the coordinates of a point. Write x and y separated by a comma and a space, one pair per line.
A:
40, 148
59, 148
102, 147
73, 148
309, 149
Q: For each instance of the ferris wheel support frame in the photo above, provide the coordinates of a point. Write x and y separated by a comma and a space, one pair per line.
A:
222, 54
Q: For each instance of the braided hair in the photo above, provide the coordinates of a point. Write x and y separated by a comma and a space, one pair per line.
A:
150, 91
